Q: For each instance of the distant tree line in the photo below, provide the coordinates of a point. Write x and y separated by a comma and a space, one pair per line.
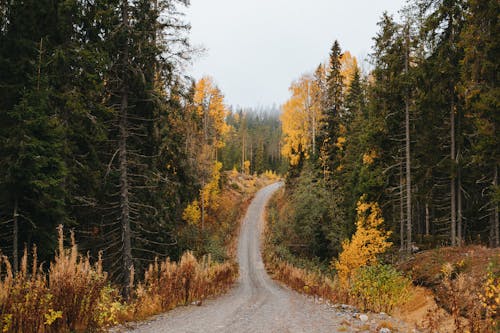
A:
255, 137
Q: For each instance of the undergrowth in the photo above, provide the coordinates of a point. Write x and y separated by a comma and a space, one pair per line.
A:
375, 287
467, 293
74, 295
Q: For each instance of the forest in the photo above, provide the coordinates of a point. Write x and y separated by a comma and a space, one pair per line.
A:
393, 172
418, 133
101, 128
102, 131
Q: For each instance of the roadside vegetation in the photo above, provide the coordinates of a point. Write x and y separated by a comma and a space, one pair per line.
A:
73, 294
392, 167
447, 289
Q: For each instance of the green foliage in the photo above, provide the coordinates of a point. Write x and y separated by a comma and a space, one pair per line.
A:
332, 109
380, 288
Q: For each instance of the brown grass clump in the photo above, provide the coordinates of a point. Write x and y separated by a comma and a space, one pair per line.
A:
304, 281
25, 302
75, 286
66, 299
168, 284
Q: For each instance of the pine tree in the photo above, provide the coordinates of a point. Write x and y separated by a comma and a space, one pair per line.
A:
33, 169
331, 134
387, 103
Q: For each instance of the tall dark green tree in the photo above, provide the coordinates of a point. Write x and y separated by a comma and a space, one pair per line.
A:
32, 164
333, 108
441, 28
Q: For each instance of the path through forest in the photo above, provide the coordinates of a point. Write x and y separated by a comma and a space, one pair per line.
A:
256, 303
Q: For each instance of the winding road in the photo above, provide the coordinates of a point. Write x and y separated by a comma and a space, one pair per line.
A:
256, 303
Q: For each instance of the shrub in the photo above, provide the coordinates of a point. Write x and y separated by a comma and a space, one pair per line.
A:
25, 302
471, 300
368, 241
168, 284
379, 288
75, 286
490, 296
305, 281
66, 299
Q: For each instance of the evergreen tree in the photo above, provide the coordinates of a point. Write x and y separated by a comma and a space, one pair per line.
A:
330, 136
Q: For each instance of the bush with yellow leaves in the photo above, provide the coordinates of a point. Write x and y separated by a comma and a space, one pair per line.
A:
368, 241
379, 288
490, 298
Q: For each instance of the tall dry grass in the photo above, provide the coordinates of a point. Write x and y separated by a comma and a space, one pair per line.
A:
168, 284
75, 286
75, 296
25, 302
63, 300
306, 282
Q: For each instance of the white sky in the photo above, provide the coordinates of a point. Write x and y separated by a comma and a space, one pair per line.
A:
256, 48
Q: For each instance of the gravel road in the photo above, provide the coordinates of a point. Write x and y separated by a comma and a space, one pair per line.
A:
256, 303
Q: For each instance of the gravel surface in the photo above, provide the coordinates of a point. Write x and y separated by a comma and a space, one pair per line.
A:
257, 303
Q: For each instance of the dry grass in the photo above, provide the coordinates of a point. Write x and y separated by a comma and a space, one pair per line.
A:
64, 300
24, 298
304, 281
74, 295
464, 286
168, 284
75, 286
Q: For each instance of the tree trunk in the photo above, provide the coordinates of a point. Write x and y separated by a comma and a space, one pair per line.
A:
203, 203
242, 153
408, 158
452, 176
401, 207
124, 186
15, 238
427, 219
495, 211
459, 208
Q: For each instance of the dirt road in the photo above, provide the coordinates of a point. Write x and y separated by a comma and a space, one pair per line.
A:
256, 303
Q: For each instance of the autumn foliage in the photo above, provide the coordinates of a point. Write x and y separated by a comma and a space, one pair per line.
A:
66, 299
168, 284
76, 296
368, 241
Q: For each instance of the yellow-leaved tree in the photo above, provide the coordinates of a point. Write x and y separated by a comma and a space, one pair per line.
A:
211, 190
349, 66
209, 103
301, 119
194, 212
368, 241
206, 134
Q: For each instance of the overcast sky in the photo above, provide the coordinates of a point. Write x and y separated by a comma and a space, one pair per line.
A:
256, 48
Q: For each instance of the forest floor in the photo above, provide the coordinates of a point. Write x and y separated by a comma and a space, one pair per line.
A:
259, 304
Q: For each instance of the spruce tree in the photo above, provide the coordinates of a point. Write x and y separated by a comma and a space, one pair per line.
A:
332, 109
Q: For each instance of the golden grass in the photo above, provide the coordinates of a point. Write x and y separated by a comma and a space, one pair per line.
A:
63, 300
168, 284
75, 296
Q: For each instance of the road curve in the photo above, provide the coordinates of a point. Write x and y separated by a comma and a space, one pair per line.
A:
256, 303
